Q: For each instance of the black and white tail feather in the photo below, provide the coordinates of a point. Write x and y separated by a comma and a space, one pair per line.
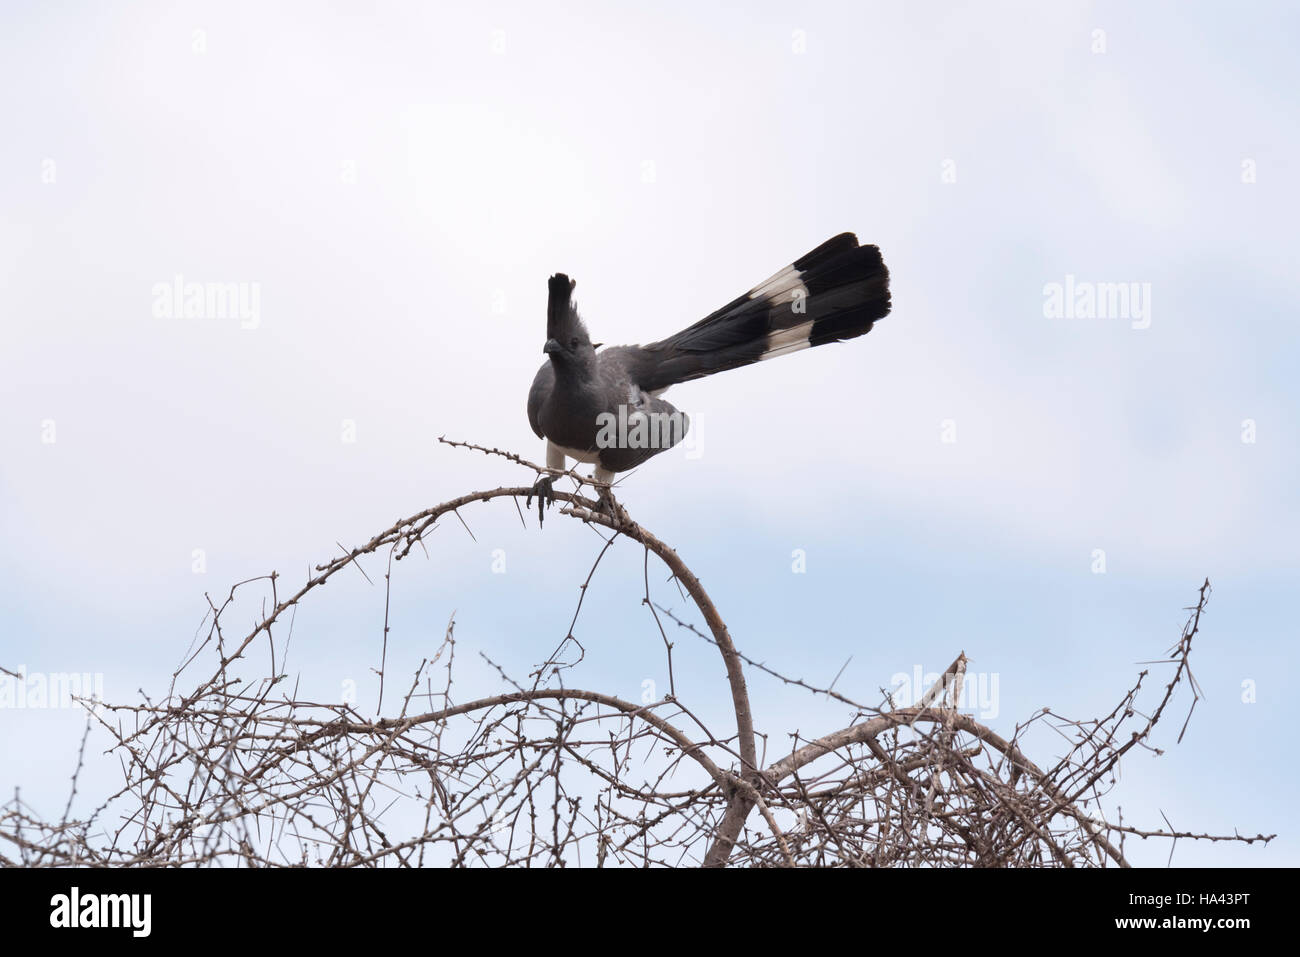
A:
833, 293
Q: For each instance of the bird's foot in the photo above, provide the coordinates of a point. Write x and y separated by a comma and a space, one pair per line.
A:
606, 505
544, 489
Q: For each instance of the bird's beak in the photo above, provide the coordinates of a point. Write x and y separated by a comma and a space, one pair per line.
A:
552, 345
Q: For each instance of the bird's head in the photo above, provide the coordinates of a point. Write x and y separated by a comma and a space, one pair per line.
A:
567, 341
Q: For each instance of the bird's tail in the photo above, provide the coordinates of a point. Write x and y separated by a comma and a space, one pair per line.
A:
835, 292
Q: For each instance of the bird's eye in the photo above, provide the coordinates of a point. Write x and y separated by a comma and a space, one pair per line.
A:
573, 343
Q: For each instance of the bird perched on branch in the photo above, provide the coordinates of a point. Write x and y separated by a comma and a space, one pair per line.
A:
604, 408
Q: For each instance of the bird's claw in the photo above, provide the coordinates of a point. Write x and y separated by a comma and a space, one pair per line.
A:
606, 504
544, 489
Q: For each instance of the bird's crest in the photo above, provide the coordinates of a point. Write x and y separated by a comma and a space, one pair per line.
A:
562, 320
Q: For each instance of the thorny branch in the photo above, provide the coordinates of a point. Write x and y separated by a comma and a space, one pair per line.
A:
241, 770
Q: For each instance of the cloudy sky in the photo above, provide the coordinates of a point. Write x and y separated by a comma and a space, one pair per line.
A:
390, 188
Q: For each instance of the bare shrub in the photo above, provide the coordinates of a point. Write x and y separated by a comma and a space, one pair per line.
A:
240, 771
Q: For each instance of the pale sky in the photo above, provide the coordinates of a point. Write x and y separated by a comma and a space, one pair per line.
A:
395, 184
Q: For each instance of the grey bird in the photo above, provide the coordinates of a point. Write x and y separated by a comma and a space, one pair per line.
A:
604, 407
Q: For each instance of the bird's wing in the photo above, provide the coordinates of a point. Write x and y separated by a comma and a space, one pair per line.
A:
543, 383
643, 426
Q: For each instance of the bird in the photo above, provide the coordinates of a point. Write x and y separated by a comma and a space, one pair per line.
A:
603, 406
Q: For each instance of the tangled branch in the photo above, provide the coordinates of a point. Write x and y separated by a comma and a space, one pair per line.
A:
241, 770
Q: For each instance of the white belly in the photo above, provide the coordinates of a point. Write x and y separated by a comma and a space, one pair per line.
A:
581, 455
